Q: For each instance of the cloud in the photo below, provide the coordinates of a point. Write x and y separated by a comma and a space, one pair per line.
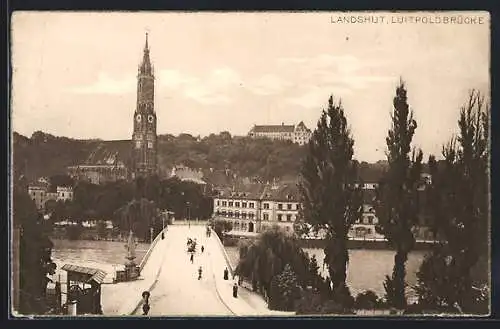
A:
106, 85
268, 84
175, 79
315, 97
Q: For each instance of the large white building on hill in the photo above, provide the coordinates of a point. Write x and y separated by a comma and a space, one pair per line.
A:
299, 134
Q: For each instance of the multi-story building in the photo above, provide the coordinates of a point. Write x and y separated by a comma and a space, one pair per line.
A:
299, 134
64, 193
255, 208
40, 194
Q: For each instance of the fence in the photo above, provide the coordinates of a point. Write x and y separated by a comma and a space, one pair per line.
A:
151, 247
226, 257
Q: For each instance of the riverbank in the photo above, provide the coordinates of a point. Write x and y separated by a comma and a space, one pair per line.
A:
231, 240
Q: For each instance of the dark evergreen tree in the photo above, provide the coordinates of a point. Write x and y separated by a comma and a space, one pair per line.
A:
330, 199
460, 214
396, 197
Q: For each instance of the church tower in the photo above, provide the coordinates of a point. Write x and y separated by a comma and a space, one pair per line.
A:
144, 135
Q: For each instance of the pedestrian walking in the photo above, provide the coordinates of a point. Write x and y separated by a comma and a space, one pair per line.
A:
192, 258
235, 290
200, 271
145, 305
202, 249
226, 274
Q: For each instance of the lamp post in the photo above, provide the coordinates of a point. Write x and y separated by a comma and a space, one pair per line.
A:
189, 215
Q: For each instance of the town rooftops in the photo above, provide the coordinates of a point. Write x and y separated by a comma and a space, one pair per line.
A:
282, 128
285, 192
302, 126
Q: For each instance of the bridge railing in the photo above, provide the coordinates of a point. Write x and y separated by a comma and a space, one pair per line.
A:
230, 266
151, 247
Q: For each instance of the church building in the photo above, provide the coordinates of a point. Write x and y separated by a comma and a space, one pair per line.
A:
128, 159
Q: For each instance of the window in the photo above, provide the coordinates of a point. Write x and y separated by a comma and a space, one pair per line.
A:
370, 219
289, 206
251, 204
224, 203
288, 218
237, 204
266, 205
243, 204
266, 216
251, 215
297, 206
230, 203
150, 145
279, 217
137, 144
218, 202
280, 206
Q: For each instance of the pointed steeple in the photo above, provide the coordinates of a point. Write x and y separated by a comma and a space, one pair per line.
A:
145, 67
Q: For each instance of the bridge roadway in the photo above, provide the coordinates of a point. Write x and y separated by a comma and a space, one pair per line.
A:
178, 292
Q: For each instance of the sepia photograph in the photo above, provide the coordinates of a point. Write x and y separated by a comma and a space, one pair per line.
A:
250, 164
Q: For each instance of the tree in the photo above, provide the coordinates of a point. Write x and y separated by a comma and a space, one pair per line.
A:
396, 197
266, 257
138, 216
330, 199
285, 290
460, 213
34, 254
222, 226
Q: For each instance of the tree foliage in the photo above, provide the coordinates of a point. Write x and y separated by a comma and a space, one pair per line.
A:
396, 199
329, 197
34, 254
460, 213
267, 256
285, 290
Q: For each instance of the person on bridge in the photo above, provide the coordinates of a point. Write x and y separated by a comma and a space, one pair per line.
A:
200, 271
192, 258
202, 249
235, 290
226, 274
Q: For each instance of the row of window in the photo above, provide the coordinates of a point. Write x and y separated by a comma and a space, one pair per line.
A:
289, 206
236, 204
265, 216
236, 214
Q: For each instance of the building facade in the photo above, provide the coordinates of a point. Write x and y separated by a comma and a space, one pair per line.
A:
144, 138
40, 194
255, 209
299, 134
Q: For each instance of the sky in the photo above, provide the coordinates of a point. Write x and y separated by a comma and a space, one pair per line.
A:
74, 74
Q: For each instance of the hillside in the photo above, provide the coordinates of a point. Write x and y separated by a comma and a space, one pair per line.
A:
46, 155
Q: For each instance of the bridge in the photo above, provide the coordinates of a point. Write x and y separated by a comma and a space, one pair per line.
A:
172, 280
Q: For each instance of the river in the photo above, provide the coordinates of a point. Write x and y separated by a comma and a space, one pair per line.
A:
108, 256
366, 269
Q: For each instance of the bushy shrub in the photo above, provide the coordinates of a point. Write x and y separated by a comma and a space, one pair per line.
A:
366, 300
285, 290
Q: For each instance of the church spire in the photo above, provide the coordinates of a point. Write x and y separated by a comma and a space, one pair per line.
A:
145, 67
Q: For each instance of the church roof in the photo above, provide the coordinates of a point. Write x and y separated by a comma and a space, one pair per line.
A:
273, 128
117, 152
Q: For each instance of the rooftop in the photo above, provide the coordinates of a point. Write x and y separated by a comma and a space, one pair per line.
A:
282, 128
93, 273
110, 153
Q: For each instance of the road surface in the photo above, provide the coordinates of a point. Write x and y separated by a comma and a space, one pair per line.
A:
178, 292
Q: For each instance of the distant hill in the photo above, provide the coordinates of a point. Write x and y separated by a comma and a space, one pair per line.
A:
43, 154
